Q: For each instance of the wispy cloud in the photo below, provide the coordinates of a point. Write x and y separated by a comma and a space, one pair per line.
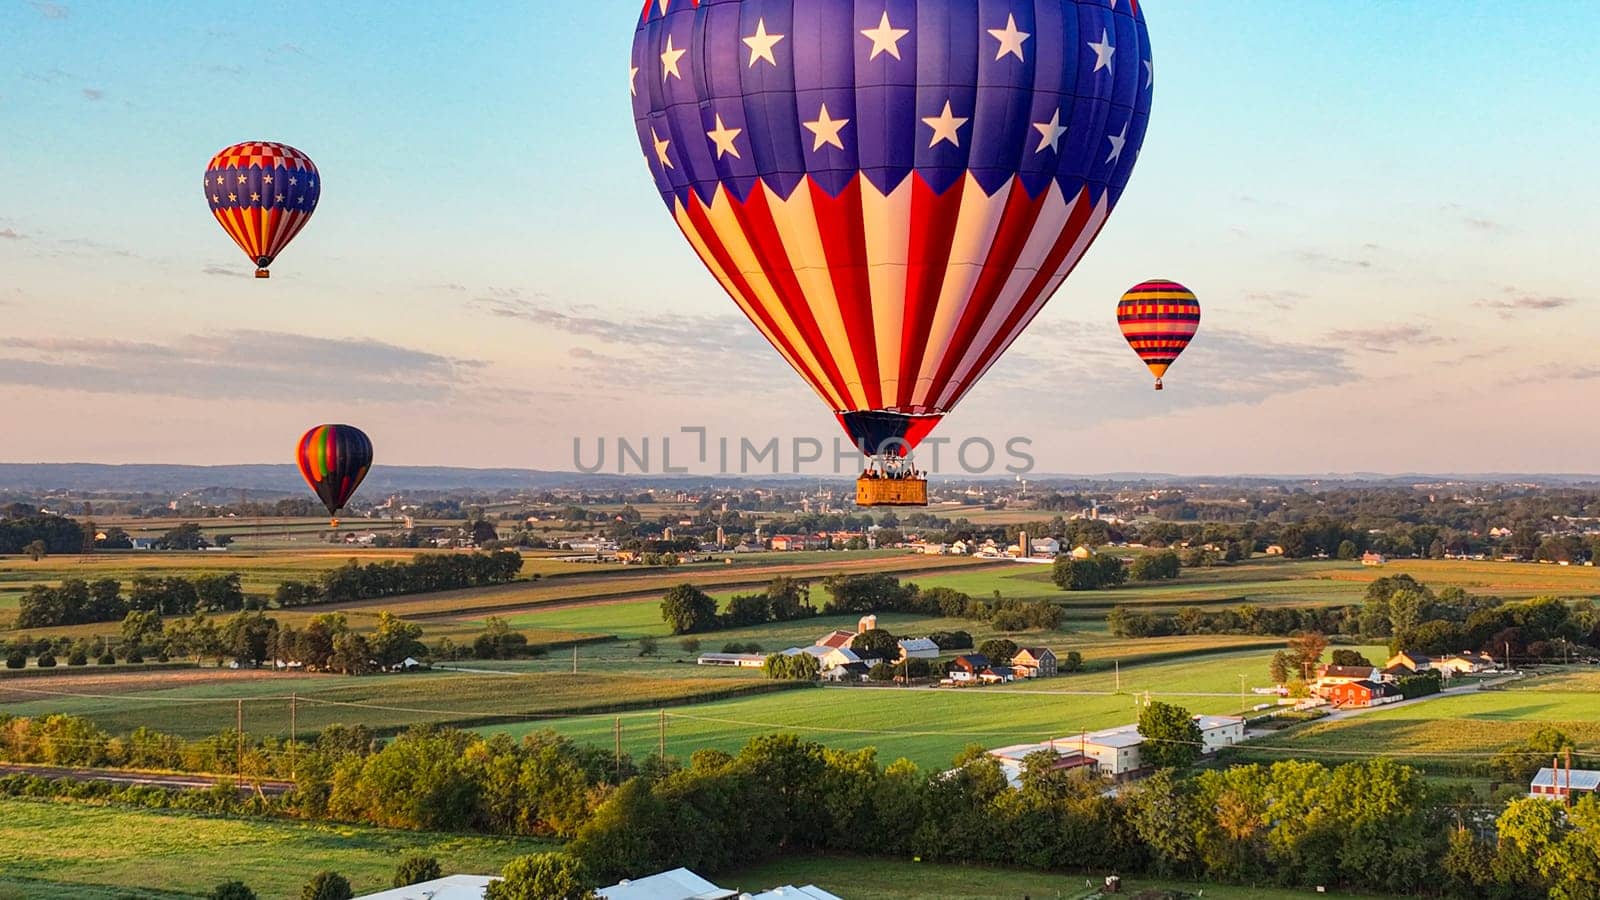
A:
214, 269
693, 354
93, 94
11, 234
1514, 306
259, 365
1472, 220
1387, 338
1338, 262
1282, 299
50, 10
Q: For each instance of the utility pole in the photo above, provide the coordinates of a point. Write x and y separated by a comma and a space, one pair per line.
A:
1118, 664
616, 735
661, 745
238, 762
574, 659
293, 698
1242, 704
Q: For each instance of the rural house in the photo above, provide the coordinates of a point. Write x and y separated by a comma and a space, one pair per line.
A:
450, 887
918, 648
833, 640
849, 672
1013, 758
1373, 559
678, 884
1034, 662
1561, 784
1463, 664
1332, 676
1416, 662
790, 892
1362, 694
736, 660
1217, 732
969, 667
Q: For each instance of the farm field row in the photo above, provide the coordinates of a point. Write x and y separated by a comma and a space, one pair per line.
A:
196, 703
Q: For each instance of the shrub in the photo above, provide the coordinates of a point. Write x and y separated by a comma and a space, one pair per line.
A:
415, 869
690, 645
106, 659
45, 661
77, 658
135, 657
231, 890
327, 886
16, 659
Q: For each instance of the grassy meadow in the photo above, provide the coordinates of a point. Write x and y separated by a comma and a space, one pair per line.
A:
139, 853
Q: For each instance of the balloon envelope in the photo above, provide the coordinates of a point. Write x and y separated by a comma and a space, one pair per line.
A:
1159, 318
334, 459
891, 191
262, 194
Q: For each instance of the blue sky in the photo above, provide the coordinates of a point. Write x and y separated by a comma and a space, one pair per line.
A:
1386, 208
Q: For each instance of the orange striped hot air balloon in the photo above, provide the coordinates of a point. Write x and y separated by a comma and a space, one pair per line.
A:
1159, 319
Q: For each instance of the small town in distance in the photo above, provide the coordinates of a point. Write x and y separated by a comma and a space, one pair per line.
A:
799, 450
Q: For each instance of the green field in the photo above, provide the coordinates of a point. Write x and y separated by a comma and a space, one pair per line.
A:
931, 725
154, 854
1458, 730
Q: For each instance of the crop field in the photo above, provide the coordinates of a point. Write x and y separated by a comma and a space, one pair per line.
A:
930, 725
161, 854
196, 703
1462, 729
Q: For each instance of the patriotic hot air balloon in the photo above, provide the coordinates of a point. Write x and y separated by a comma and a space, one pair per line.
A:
263, 194
334, 459
1159, 319
890, 191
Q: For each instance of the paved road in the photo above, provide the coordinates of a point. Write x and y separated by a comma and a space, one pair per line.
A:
117, 776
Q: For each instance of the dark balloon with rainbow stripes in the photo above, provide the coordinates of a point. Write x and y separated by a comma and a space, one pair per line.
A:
334, 459
1159, 318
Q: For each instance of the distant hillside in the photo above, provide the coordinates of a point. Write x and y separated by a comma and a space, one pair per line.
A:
284, 478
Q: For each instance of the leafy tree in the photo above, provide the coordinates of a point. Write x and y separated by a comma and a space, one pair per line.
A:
542, 876
36, 550
1352, 658
16, 659
1072, 662
690, 645
1164, 817
415, 869
882, 671
876, 643
394, 640
1160, 566
231, 890
648, 646
327, 886
185, 537
998, 650
46, 660
1518, 764
77, 657
688, 609
1348, 550
1097, 572
1171, 737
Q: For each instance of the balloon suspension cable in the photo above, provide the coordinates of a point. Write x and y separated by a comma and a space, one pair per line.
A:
263, 273
892, 467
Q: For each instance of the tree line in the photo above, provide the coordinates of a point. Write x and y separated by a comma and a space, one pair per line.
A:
425, 573
1374, 825
79, 602
687, 610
